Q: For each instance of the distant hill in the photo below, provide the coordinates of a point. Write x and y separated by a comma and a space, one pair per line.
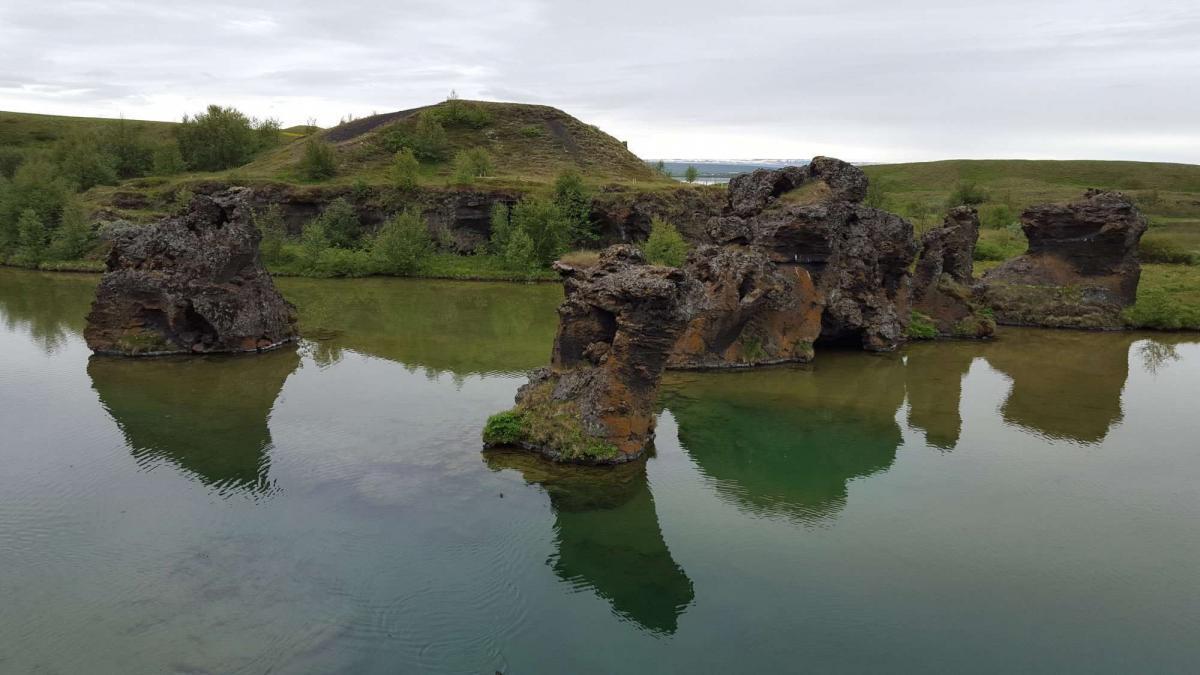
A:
30, 131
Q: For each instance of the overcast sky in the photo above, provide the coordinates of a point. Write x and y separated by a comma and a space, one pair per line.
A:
870, 80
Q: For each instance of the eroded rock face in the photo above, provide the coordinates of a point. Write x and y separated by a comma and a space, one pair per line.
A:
595, 403
745, 310
190, 284
1081, 269
750, 193
943, 278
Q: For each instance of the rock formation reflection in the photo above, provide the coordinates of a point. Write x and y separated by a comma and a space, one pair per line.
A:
51, 305
933, 381
786, 441
207, 415
460, 327
608, 537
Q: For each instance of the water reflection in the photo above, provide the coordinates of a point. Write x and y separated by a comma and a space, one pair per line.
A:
461, 327
786, 441
608, 537
206, 415
933, 381
51, 306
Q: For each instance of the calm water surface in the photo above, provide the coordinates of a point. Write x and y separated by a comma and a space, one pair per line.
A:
1031, 504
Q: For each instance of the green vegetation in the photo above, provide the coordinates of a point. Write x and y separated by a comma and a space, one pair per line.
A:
405, 170
1158, 247
921, 327
542, 422
1168, 298
471, 164
223, 138
319, 161
340, 224
967, 193
504, 428
665, 246
402, 245
691, 174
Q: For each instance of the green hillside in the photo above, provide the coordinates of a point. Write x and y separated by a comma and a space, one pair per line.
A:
28, 131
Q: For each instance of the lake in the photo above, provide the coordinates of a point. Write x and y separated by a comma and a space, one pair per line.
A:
1029, 504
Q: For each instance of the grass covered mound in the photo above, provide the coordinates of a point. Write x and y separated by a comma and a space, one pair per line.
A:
552, 428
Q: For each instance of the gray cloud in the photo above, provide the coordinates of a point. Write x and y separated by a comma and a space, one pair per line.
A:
870, 80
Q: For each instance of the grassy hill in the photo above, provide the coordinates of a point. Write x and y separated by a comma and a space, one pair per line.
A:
527, 144
29, 131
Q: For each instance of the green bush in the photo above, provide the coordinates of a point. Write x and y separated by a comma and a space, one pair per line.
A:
471, 164
10, 160
1001, 244
222, 138
73, 238
341, 262
504, 428
402, 245
404, 170
131, 155
542, 221
501, 228
1156, 248
319, 161
574, 202
665, 246
36, 185
313, 242
520, 251
339, 222
274, 233
427, 138
996, 216
533, 131
458, 113
31, 239
168, 161
83, 162
876, 197
967, 193
691, 174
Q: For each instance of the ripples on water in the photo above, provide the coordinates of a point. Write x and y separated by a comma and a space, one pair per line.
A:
1025, 504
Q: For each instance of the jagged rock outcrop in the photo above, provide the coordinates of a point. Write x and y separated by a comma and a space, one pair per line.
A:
942, 295
857, 257
1081, 269
193, 283
745, 310
595, 403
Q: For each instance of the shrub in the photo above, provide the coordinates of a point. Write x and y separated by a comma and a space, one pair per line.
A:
967, 193
181, 201
274, 232
10, 161
533, 131
222, 138
504, 428
339, 222
403, 245
313, 242
665, 246
73, 237
341, 262
131, 155
36, 185
501, 228
574, 203
876, 197
996, 216
520, 251
541, 220
428, 140
319, 162
1162, 249
1001, 244
83, 162
458, 113
167, 160
660, 167
691, 174
471, 164
31, 238
404, 170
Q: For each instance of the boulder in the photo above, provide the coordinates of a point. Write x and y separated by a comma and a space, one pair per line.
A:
942, 295
193, 283
595, 403
745, 310
1081, 269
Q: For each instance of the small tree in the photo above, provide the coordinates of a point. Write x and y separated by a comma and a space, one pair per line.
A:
876, 197
541, 220
501, 228
967, 193
660, 167
665, 246
574, 202
10, 161
403, 244
319, 162
471, 164
132, 156
222, 138
429, 141
274, 231
73, 237
313, 242
167, 160
691, 174
404, 170
83, 161
520, 251
31, 238
340, 223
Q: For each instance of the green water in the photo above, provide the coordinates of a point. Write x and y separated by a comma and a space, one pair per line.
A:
1026, 505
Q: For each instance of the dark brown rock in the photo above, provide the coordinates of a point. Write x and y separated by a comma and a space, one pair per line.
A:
750, 193
943, 278
1081, 269
617, 325
745, 310
190, 284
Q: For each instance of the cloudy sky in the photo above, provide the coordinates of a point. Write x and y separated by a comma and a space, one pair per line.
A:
871, 80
